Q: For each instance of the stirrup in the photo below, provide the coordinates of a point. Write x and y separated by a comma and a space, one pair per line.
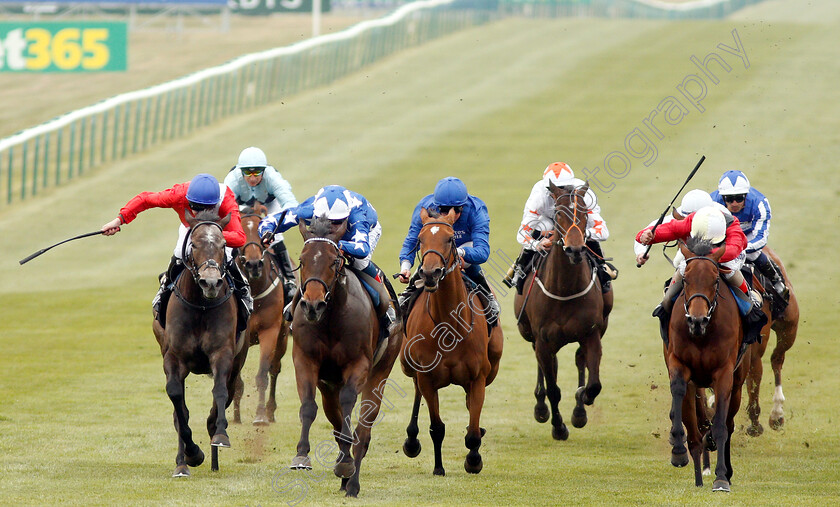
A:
287, 311
611, 270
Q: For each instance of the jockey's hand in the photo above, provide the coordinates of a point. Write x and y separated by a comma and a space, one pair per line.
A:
646, 238
641, 259
267, 239
461, 253
112, 227
544, 244
404, 275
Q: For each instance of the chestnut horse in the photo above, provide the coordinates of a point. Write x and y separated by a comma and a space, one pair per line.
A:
200, 337
335, 336
567, 306
266, 326
450, 342
705, 347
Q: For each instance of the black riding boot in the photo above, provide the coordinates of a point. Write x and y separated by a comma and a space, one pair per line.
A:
663, 309
606, 271
284, 262
520, 268
167, 280
769, 269
242, 291
406, 297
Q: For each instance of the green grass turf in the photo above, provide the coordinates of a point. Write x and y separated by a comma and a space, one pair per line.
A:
84, 417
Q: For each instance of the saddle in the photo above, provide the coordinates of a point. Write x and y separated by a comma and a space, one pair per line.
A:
377, 294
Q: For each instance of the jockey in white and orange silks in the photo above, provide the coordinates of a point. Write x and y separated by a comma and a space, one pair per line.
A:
537, 225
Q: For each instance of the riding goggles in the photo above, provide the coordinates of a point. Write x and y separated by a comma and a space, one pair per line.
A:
734, 198
252, 171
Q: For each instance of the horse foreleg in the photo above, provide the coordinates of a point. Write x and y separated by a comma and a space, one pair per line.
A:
273, 372
547, 360
473, 463
306, 375
345, 468
753, 391
238, 391
679, 384
368, 413
541, 412
267, 342
217, 422
692, 427
411, 446
722, 384
785, 336
437, 430
189, 454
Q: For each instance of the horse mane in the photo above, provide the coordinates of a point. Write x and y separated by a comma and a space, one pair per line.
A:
207, 215
433, 213
699, 246
321, 227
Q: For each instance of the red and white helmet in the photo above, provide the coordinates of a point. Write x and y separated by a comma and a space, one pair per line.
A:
558, 173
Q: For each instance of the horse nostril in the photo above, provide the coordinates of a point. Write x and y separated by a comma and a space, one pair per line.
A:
203, 283
320, 306
219, 283
260, 265
437, 272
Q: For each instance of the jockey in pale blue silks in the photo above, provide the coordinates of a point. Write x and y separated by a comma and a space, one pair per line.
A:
752, 209
472, 235
363, 232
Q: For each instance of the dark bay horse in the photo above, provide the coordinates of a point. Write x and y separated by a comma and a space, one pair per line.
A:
785, 326
266, 326
450, 342
563, 304
705, 348
200, 337
335, 336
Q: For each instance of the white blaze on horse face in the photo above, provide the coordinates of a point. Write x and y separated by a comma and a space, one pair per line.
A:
250, 226
317, 255
435, 229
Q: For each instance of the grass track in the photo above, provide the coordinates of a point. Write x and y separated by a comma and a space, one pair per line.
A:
84, 417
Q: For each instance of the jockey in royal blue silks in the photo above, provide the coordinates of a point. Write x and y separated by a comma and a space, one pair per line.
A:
363, 232
752, 209
472, 236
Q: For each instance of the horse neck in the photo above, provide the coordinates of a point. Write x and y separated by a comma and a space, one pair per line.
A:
561, 275
450, 294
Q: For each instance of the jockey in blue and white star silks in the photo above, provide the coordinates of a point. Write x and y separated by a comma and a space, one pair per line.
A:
752, 209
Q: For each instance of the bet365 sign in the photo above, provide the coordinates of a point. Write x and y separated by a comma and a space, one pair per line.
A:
63, 47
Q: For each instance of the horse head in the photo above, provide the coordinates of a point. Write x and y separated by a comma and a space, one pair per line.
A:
436, 237
252, 256
701, 279
321, 262
570, 209
206, 258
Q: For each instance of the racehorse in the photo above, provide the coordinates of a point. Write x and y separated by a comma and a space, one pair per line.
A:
567, 308
450, 343
266, 326
335, 336
785, 326
200, 336
705, 346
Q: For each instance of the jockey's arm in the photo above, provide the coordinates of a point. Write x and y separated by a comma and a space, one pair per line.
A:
278, 187
757, 238
410, 243
596, 226
736, 241
479, 252
358, 246
234, 234
536, 216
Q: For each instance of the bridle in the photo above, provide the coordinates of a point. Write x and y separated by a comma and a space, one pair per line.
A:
338, 265
195, 271
712, 304
272, 267
450, 262
559, 208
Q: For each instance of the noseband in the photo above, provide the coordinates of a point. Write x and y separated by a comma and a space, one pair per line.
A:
195, 271
711, 303
340, 261
452, 251
561, 242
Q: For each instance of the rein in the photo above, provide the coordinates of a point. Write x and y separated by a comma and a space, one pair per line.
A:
340, 261
712, 304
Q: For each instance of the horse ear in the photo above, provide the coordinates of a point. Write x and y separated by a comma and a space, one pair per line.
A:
424, 215
224, 221
304, 230
450, 217
552, 188
685, 251
717, 254
585, 187
190, 218
338, 232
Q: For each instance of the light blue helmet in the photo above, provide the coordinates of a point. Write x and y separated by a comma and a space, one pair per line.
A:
450, 191
733, 183
204, 189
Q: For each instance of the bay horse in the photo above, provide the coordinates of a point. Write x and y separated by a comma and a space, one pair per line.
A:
705, 347
200, 336
266, 326
785, 326
335, 336
450, 342
569, 307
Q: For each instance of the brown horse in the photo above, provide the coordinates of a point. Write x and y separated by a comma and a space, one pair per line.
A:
200, 337
705, 347
450, 342
266, 326
785, 326
565, 307
335, 336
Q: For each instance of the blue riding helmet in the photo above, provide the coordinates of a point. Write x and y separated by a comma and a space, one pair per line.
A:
204, 189
450, 191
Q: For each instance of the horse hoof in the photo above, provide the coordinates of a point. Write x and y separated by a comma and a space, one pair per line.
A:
721, 485
755, 430
194, 460
345, 469
220, 440
181, 471
412, 448
679, 460
473, 468
541, 412
579, 419
439, 471
560, 432
707, 471
261, 421
777, 424
301, 463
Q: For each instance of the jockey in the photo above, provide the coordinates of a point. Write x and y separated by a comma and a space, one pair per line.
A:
256, 184
753, 212
472, 236
202, 193
537, 226
712, 224
363, 232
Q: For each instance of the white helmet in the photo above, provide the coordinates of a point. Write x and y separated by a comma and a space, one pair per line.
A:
710, 224
558, 173
589, 198
693, 201
733, 183
252, 157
